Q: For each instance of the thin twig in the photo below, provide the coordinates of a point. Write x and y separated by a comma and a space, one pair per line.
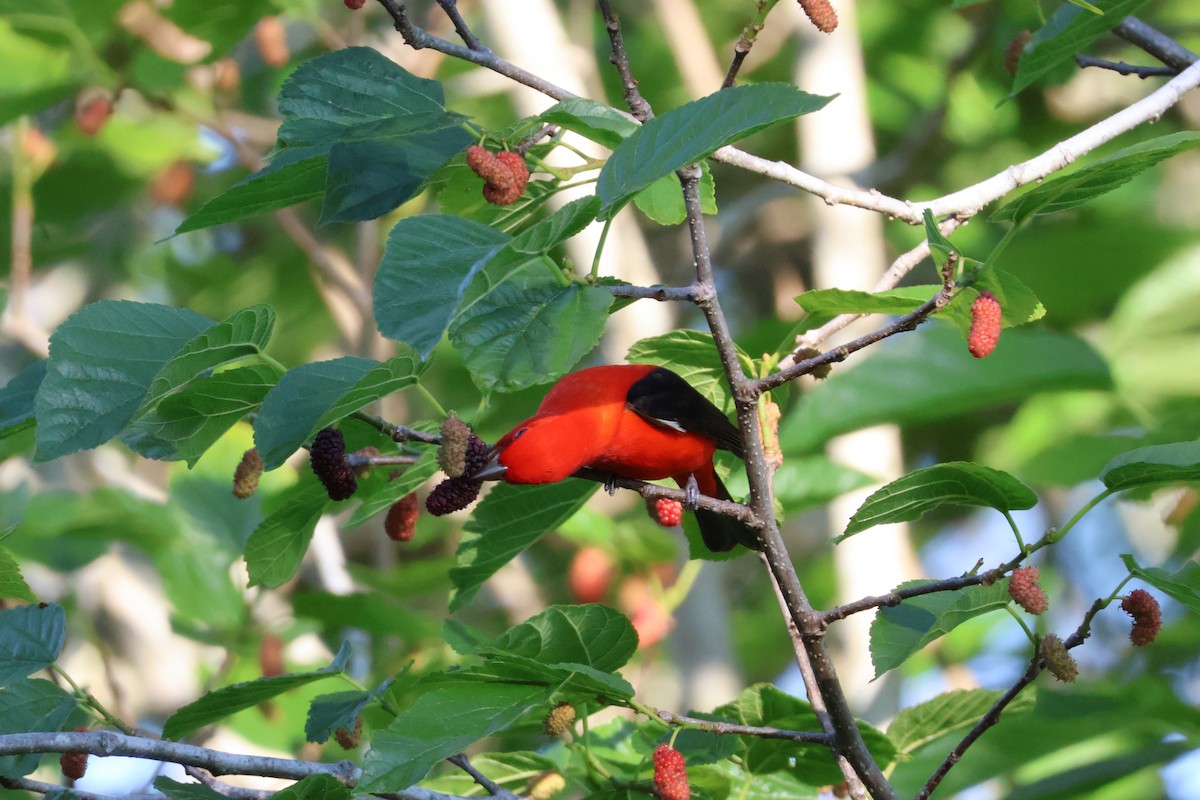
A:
1036, 665
1121, 68
688, 294
398, 433
762, 732
652, 491
746, 41
490, 786
620, 59
460, 25
1156, 43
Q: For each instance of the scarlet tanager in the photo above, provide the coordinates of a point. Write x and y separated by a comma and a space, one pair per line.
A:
633, 421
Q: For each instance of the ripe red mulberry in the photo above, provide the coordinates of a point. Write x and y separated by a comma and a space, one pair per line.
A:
670, 773
985, 325
1147, 616
401, 520
327, 456
450, 495
667, 512
1023, 587
821, 13
505, 174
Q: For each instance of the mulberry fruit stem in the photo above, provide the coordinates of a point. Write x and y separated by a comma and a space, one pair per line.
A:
1012, 612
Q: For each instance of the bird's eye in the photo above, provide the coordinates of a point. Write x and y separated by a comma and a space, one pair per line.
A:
520, 433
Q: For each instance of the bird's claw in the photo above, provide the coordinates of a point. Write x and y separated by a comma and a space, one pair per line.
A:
691, 494
610, 484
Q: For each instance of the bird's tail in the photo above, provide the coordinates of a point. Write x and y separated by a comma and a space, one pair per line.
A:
722, 533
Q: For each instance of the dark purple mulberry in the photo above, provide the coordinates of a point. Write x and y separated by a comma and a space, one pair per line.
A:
450, 495
328, 459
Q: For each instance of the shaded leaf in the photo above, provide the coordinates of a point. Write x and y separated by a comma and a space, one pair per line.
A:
519, 336
427, 263
293, 177
694, 131
185, 791
31, 637
662, 200
916, 726
558, 227
1068, 31
831, 302
102, 361
315, 395
393, 490
1068, 191
693, 356
441, 723
245, 333
959, 483
31, 705
940, 247
1178, 462
17, 399
508, 520
315, 787
596, 121
593, 635
12, 583
902, 630
221, 703
275, 549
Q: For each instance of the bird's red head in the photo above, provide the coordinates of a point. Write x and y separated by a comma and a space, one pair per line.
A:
540, 450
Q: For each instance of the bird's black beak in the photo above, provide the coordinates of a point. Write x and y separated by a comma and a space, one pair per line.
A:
493, 470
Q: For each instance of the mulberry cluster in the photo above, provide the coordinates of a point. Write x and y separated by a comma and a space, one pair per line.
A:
328, 459
559, 720
821, 13
452, 454
985, 325
670, 773
505, 174
1023, 587
245, 477
1058, 660
667, 512
452, 494
1147, 616
401, 520
354, 5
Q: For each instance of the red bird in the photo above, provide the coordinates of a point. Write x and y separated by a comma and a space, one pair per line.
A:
636, 421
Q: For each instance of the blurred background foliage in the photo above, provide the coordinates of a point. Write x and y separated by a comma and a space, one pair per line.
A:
146, 555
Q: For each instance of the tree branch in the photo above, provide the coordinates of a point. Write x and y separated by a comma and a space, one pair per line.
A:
1121, 68
761, 732
620, 59
1156, 43
460, 25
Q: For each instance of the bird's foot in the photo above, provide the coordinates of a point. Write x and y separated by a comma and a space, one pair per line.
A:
610, 484
691, 492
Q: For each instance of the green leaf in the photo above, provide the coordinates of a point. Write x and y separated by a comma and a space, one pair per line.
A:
313, 396
929, 375
693, 356
596, 121
329, 712
1068, 31
1150, 466
558, 227
916, 726
593, 635
520, 336
221, 703
190, 421
441, 723
245, 333
31, 705
508, 520
31, 637
427, 264
1068, 191
294, 176
940, 247
695, 131
1182, 585
102, 361
315, 787
1018, 304
514, 771
12, 583
902, 630
17, 399
831, 302
577, 683
33, 74
662, 200
766, 705
185, 791
959, 483
368, 179
274, 550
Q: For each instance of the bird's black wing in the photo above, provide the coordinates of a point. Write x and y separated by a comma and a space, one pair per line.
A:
663, 398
